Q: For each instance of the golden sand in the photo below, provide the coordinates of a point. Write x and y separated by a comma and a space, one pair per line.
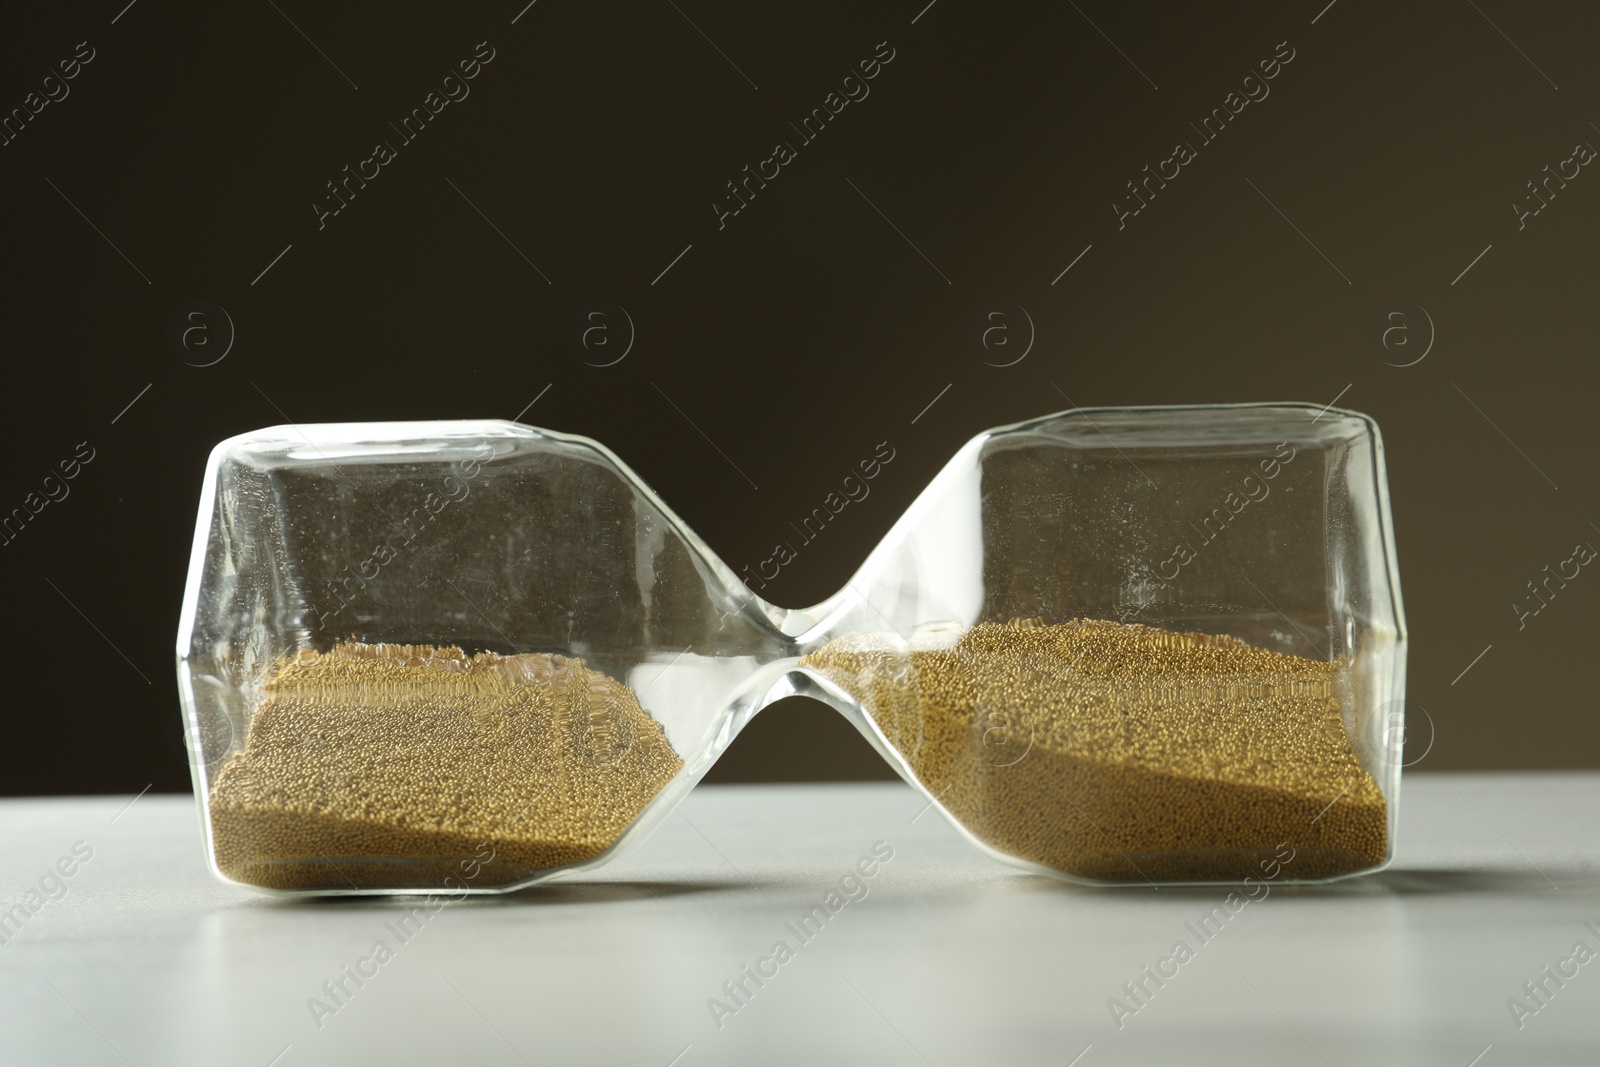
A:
387, 766
1124, 752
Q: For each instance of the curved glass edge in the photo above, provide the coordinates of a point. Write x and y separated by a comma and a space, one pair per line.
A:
1384, 690
353, 441
1394, 755
800, 627
1099, 425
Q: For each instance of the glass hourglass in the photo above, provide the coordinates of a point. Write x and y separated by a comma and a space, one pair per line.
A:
1116, 646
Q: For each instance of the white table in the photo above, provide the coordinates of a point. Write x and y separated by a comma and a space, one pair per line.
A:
949, 959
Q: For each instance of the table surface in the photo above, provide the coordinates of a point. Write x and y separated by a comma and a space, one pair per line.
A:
949, 958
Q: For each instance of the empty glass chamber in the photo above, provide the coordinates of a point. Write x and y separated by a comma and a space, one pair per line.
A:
1141, 645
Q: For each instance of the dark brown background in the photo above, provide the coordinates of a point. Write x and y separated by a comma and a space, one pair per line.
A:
812, 327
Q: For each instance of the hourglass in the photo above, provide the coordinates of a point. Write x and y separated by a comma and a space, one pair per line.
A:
1134, 645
